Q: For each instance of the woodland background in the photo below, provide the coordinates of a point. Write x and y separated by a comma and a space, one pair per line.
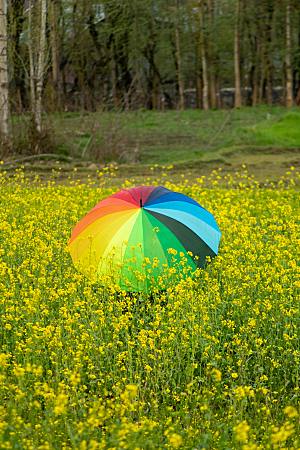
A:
70, 56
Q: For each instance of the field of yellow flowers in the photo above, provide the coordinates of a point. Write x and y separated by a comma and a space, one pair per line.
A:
211, 363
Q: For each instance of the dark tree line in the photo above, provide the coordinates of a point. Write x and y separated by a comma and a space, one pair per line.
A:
58, 55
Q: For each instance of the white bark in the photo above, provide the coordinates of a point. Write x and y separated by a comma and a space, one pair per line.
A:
41, 66
37, 57
4, 103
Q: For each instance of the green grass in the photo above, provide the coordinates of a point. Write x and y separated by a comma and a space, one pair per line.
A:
265, 138
175, 136
284, 133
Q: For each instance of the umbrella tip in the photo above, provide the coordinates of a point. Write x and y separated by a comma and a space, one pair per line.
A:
141, 203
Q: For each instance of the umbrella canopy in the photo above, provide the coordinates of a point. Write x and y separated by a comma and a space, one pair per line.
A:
142, 236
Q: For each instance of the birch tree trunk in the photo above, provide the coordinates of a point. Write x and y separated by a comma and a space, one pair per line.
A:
41, 66
205, 92
37, 57
237, 58
4, 104
288, 58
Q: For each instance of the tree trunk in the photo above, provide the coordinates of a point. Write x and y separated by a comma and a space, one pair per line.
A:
199, 89
205, 98
254, 84
237, 58
261, 81
213, 91
179, 66
4, 104
41, 66
253, 37
54, 41
254, 79
297, 100
288, 58
153, 76
212, 55
15, 31
298, 97
114, 77
31, 58
155, 91
268, 58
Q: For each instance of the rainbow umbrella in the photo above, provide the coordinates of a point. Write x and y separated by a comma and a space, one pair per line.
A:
143, 236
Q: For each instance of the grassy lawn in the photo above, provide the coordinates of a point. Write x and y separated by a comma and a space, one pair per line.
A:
266, 139
284, 132
171, 136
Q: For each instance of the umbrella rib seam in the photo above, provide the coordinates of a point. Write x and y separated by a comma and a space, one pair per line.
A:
205, 223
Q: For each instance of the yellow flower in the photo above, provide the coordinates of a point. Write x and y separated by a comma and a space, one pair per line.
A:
250, 446
290, 411
281, 434
75, 379
60, 404
243, 391
216, 374
241, 431
175, 440
76, 349
19, 371
4, 357
132, 390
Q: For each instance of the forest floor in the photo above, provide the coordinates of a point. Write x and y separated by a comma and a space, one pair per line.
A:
145, 143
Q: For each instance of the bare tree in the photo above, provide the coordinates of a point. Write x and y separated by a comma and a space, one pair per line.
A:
4, 104
179, 59
237, 57
288, 57
54, 43
205, 91
37, 58
41, 66
137, 53
211, 54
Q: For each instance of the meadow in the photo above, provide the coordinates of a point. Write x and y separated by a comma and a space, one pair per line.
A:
267, 138
211, 363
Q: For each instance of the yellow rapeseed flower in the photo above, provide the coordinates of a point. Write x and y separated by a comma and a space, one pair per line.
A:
291, 412
241, 431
